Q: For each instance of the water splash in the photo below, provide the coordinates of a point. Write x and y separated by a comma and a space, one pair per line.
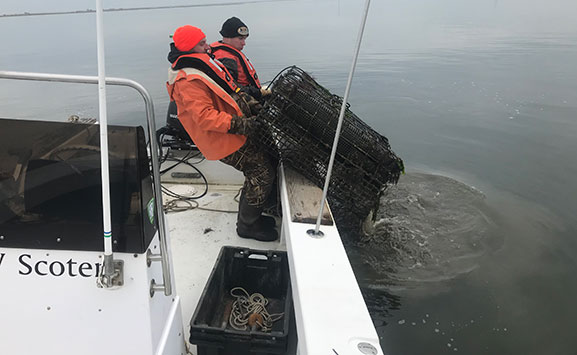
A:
428, 228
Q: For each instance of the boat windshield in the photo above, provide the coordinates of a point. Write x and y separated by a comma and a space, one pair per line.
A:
50, 186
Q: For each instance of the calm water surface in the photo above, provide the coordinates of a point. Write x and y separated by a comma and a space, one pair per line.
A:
475, 250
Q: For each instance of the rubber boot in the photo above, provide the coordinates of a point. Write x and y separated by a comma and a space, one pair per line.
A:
271, 205
268, 221
250, 223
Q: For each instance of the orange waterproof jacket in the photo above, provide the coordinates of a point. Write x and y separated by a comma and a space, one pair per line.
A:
205, 110
247, 75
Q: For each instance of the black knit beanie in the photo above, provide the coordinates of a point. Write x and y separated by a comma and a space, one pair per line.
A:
234, 27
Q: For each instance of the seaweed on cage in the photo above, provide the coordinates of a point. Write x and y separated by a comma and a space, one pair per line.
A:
301, 118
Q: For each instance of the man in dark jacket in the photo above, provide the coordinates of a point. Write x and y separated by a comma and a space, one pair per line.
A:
229, 51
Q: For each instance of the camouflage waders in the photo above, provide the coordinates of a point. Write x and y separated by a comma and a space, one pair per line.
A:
259, 171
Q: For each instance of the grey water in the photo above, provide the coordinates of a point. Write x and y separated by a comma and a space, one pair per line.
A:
475, 250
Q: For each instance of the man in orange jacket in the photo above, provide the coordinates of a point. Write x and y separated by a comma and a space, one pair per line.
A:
205, 95
229, 51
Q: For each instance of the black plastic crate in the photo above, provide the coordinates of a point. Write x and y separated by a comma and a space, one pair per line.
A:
300, 120
265, 272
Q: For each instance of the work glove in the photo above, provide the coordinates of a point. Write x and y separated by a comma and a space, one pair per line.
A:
255, 107
265, 91
253, 104
244, 125
252, 91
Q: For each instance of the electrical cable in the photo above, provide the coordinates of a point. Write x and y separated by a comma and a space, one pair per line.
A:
195, 168
178, 162
190, 203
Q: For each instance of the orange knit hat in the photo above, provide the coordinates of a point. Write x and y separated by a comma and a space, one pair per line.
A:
186, 37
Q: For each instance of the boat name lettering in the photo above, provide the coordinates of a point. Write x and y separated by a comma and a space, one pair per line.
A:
2, 257
56, 268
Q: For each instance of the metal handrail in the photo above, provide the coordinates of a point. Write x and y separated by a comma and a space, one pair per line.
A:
167, 286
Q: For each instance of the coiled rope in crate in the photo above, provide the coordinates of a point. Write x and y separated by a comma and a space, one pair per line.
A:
249, 311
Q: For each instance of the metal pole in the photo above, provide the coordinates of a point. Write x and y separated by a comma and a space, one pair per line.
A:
108, 262
341, 117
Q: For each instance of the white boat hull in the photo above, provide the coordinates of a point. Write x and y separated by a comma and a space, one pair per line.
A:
52, 306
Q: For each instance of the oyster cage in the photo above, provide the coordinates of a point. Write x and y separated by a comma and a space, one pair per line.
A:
299, 122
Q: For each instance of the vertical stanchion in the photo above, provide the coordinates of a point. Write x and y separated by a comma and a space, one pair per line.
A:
107, 275
341, 117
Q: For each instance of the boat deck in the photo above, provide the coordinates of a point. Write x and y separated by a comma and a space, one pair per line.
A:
198, 234
320, 274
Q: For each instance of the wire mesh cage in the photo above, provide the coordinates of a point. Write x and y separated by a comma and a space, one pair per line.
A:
300, 120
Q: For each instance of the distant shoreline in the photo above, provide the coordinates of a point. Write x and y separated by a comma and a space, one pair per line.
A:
88, 11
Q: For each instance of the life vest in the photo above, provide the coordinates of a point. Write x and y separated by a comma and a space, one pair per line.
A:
209, 128
249, 75
211, 67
